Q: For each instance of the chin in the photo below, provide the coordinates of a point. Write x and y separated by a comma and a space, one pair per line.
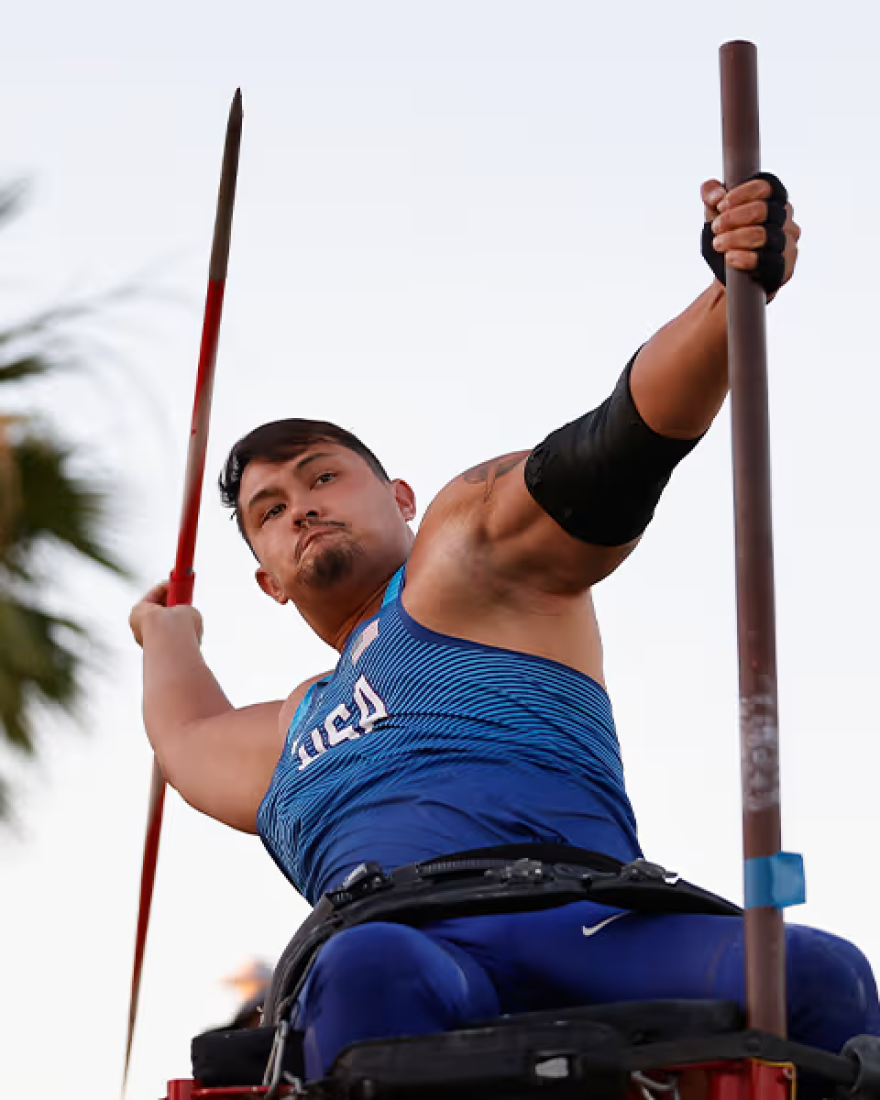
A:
330, 564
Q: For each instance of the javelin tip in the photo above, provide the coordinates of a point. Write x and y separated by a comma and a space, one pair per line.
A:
235, 111
226, 195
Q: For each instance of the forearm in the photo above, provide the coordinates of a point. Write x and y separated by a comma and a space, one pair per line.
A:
179, 688
679, 379
601, 476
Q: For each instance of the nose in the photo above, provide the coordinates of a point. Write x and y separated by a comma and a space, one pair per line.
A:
300, 510
302, 516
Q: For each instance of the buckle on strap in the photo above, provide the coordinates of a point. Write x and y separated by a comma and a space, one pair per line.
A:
642, 870
523, 870
368, 878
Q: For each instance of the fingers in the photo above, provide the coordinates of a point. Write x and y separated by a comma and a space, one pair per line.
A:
158, 594
740, 241
153, 604
712, 192
736, 217
751, 228
739, 246
156, 597
746, 193
741, 260
741, 227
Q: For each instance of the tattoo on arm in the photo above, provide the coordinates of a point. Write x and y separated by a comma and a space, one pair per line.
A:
488, 472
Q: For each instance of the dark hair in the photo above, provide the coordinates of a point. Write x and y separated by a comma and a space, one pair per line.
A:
279, 441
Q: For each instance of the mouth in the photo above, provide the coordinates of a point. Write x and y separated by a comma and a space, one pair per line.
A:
310, 535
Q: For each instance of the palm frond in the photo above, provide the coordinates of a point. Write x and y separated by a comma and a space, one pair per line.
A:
55, 505
39, 661
25, 366
46, 505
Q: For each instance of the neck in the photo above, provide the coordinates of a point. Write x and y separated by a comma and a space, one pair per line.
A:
334, 623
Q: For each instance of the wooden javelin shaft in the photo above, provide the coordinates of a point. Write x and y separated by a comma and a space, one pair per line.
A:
756, 621
180, 587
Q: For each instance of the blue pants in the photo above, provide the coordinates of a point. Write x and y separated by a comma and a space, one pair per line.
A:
379, 980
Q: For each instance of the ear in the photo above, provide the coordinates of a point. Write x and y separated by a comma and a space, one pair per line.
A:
405, 498
270, 586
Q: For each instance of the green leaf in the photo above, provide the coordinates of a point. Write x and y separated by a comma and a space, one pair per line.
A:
55, 505
38, 661
29, 366
46, 507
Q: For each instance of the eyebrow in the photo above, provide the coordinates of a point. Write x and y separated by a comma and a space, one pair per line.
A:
303, 462
273, 491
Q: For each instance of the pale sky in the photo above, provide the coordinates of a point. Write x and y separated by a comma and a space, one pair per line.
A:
455, 223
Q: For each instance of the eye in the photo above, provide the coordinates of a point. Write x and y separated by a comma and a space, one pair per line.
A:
322, 479
274, 511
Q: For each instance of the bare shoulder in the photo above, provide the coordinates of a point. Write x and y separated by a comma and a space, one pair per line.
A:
488, 473
288, 707
476, 490
486, 516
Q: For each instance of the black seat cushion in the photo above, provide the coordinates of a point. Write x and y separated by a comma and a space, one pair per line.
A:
499, 1051
239, 1056
556, 1052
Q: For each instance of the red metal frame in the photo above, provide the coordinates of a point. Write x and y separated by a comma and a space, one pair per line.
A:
745, 1079
192, 1090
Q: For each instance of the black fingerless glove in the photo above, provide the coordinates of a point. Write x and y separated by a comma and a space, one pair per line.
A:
771, 265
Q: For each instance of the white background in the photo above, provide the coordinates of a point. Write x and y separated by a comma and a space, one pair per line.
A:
455, 223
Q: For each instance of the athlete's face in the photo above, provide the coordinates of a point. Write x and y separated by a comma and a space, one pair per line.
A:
321, 519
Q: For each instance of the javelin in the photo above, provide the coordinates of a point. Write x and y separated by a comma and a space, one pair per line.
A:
182, 580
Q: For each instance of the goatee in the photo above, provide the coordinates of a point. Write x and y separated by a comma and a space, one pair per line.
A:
331, 564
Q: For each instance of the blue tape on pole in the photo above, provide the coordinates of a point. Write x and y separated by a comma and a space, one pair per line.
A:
775, 882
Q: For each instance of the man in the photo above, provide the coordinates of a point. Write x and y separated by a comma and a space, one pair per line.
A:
468, 707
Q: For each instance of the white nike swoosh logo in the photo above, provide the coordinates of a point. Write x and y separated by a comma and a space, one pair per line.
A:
598, 927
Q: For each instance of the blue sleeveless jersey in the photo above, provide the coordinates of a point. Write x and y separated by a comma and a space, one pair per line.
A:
421, 744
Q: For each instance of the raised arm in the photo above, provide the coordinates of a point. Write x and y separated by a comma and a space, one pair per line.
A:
570, 511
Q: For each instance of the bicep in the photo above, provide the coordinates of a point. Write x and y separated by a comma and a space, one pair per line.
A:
222, 766
525, 541
528, 541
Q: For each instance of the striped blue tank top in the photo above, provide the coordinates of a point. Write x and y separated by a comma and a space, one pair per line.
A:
421, 744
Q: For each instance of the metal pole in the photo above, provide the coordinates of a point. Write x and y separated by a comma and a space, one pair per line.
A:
759, 733
180, 589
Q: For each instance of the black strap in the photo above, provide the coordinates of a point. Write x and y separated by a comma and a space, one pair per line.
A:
473, 883
547, 852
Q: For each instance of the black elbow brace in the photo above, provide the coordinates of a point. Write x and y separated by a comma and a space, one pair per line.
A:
600, 477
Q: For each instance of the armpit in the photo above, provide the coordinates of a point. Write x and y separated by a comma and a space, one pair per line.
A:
288, 707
